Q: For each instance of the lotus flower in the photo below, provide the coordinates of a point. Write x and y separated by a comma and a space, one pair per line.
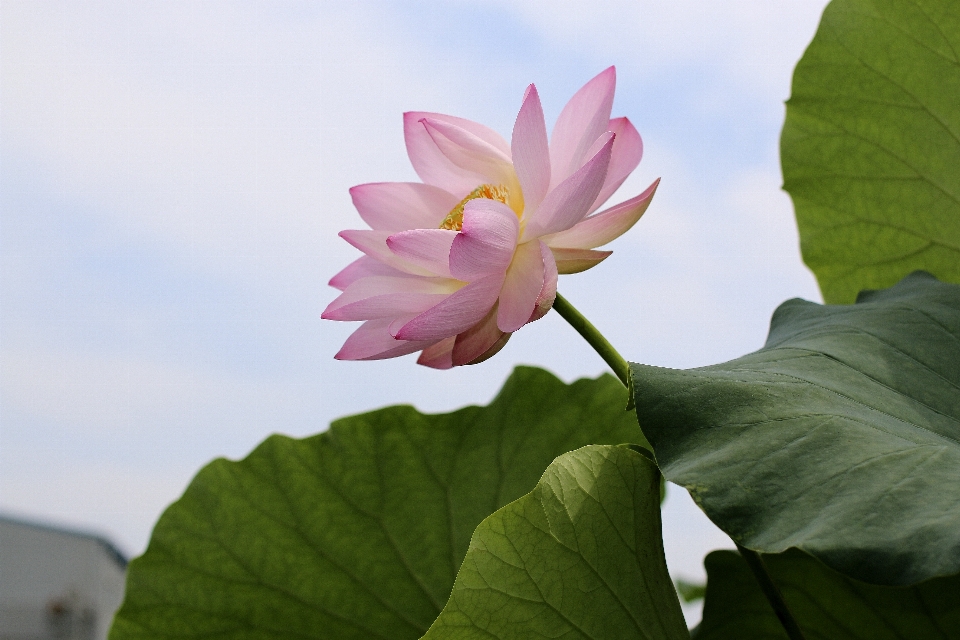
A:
455, 264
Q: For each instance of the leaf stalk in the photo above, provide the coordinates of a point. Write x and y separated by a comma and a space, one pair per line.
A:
594, 338
772, 593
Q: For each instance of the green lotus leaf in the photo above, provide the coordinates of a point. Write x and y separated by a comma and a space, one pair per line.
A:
580, 556
871, 144
841, 436
825, 604
357, 532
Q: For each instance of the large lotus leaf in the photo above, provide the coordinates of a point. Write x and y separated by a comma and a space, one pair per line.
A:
357, 532
871, 145
580, 556
841, 436
825, 604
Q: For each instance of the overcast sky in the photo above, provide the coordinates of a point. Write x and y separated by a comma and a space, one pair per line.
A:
173, 176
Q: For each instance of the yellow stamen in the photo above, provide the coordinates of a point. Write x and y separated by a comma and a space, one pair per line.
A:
454, 219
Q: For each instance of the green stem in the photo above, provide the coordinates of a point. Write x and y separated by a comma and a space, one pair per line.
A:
620, 367
770, 590
594, 338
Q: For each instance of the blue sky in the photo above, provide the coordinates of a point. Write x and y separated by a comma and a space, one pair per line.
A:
173, 176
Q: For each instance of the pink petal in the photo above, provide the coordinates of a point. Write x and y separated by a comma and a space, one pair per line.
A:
478, 340
531, 153
605, 226
624, 158
398, 206
385, 296
566, 205
374, 244
455, 314
363, 267
493, 350
429, 162
548, 294
521, 288
486, 242
483, 132
426, 248
577, 260
470, 153
439, 355
581, 122
372, 341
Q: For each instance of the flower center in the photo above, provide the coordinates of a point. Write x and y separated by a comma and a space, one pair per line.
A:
454, 219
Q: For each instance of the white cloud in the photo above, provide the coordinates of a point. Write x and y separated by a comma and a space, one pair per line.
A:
120, 395
168, 150
751, 41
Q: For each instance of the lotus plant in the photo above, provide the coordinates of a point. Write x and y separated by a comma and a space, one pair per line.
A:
454, 265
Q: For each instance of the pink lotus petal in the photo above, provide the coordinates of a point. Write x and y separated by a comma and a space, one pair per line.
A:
568, 203
372, 341
431, 165
605, 226
398, 206
429, 162
439, 355
485, 244
493, 350
531, 152
548, 293
381, 306
426, 248
521, 287
577, 260
482, 131
470, 153
374, 244
479, 339
584, 118
624, 158
363, 267
385, 296
455, 314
